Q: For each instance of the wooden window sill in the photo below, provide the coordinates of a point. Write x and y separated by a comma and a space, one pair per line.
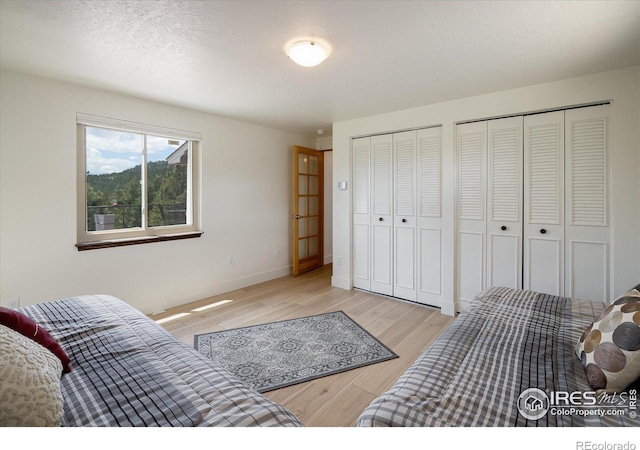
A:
138, 240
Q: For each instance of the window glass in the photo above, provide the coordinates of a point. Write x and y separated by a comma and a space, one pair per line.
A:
167, 189
134, 182
113, 191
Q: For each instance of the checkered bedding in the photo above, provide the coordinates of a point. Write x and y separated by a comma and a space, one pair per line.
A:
128, 371
504, 343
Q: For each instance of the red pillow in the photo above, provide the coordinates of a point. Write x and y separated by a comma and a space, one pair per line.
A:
27, 327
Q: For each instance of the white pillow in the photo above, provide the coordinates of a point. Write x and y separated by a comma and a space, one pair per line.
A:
30, 376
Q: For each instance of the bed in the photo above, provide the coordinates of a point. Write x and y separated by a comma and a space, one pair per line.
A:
503, 355
125, 371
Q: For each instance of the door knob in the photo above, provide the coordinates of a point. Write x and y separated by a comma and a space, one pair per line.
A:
296, 217
404, 220
381, 219
503, 228
543, 231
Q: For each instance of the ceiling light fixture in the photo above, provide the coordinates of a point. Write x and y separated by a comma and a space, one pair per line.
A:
307, 52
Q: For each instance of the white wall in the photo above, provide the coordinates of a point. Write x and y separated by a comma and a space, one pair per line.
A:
328, 207
246, 202
621, 87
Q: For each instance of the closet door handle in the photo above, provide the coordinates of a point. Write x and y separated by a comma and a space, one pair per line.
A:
381, 219
503, 228
543, 231
404, 220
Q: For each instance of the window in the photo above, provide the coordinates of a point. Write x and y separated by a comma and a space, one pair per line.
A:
136, 183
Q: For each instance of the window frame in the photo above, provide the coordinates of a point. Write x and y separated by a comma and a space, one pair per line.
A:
144, 234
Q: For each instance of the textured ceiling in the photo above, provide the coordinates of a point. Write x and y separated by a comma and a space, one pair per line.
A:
226, 57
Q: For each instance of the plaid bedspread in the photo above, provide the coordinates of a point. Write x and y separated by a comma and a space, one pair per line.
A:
504, 343
129, 371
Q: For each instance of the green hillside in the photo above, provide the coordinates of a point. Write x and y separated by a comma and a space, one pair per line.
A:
167, 191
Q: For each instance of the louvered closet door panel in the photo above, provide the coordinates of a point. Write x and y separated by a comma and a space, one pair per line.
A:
361, 152
504, 201
587, 230
382, 214
544, 203
429, 219
471, 155
404, 163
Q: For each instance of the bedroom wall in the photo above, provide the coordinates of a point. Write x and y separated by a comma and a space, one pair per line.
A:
621, 87
245, 173
328, 207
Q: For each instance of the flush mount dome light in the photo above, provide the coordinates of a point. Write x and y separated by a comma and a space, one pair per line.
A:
307, 52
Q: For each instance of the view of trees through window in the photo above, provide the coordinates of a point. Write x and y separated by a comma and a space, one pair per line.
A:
114, 182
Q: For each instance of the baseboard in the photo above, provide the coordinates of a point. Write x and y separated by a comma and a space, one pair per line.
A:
341, 283
160, 305
250, 280
462, 305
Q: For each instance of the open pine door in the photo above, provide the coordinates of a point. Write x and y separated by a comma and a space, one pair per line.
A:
308, 187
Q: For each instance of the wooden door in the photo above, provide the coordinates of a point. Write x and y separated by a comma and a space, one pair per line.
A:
504, 203
429, 217
472, 226
404, 220
587, 224
544, 203
382, 214
361, 149
308, 188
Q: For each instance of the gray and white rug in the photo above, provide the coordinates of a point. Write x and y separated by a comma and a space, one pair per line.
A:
279, 354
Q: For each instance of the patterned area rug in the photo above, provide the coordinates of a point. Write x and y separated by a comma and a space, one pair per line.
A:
279, 354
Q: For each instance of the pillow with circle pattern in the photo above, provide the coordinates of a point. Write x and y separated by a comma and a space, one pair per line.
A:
30, 378
610, 348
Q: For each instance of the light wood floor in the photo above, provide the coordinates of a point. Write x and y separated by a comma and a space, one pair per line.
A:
336, 400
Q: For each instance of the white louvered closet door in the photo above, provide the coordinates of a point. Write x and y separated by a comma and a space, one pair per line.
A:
587, 228
429, 216
472, 226
361, 151
504, 202
404, 220
544, 203
382, 214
